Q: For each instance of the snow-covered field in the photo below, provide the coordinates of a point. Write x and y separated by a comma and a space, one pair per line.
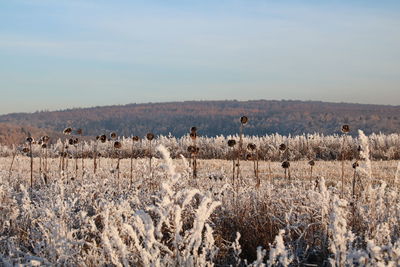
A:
164, 217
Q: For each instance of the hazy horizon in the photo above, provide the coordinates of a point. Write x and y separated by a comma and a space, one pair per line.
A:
172, 101
56, 55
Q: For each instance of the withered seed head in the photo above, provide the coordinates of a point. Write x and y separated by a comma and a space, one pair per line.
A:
231, 143
135, 138
71, 141
345, 128
67, 130
30, 140
244, 120
113, 135
193, 135
117, 144
44, 145
311, 163
355, 165
25, 150
282, 147
251, 146
45, 138
193, 129
103, 138
150, 136
285, 164
191, 149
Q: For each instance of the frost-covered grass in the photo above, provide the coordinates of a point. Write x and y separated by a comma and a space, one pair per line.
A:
301, 147
167, 218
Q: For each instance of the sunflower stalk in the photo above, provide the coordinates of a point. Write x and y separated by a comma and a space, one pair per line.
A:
12, 162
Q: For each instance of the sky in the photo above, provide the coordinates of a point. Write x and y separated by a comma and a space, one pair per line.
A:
57, 54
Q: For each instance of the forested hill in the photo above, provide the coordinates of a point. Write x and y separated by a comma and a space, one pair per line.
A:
216, 117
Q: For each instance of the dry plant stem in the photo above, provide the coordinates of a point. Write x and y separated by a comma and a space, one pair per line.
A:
256, 173
31, 156
118, 161
194, 161
63, 158
342, 158
61, 165
83, 159
113, 156
66, 160
354, 196
151, 171
45, 170
45, 161
131, 177
76, 161
354, 184
12, 162
40, 162
238, 174
233, 167
95, 158
311, 173
194, 166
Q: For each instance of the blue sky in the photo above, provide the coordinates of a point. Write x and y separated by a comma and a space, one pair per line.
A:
57, 54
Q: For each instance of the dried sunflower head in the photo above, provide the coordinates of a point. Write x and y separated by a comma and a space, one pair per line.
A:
150, 136
103, 138
251, 146
67, 130
355, 165
282, 147
231, 143
285, 164
45, 138
345, 128
191, 149
117, 144
193, 135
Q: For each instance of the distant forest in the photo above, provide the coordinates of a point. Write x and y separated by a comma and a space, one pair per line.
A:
214, 118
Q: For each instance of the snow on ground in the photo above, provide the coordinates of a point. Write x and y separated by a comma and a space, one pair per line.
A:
164, 217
